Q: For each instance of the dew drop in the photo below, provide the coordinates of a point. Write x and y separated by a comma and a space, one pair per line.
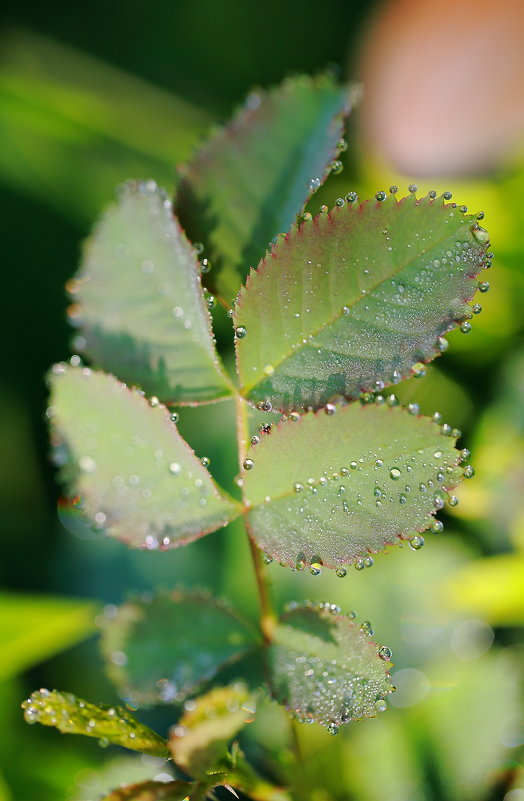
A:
394, 473
313, 184
248, 464
480, 234
416, 542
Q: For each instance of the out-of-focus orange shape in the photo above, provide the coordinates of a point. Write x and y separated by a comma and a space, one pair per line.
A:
444, 84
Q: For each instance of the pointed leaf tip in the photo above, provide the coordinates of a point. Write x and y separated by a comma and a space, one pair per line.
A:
352, 300
139, 304
129, 469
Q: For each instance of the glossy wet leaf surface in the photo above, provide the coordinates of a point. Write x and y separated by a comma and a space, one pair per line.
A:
130, 471
354, 299
252, 178
328, 489
159, 647
112, 725
152, 791
324, 667
200, 738
139, 303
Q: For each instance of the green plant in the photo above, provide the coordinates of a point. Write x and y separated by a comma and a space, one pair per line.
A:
340, 307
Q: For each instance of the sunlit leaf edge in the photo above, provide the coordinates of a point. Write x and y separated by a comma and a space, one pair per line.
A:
300, 228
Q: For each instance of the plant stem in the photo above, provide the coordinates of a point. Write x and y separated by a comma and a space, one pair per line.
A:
302, 779
267, 616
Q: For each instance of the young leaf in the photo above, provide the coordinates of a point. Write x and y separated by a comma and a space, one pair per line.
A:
133, 474
328, 489
153, 791
113, 725
252, 178
139, 302
159, 648
354, 299
199, 741
323, 667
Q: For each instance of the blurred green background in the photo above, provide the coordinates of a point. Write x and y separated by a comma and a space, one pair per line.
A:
90, 96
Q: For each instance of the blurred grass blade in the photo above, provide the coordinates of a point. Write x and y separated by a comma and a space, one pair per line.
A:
354, 300
161, 647
130, 470
139, 302
199, 740
64, 113
112, 725
347, 483
252, 177
323, 667
34, 628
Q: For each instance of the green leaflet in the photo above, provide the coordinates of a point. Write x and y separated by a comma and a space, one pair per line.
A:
131, 471
160, 647
113, 725
199, 741
252, 178
354, 299
139, 302
328, 489
152, 791
33, 628
323, 667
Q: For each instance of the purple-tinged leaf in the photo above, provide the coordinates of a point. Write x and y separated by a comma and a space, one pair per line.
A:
252, 178
129, 469
330, 489
355, 299
139, 304
323, 667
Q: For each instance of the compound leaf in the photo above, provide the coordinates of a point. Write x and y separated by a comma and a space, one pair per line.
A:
132, 473
152, 791
252, 178
72, 715
354, 299
199, 741
328, 489
160, 647
324, 667
139, 303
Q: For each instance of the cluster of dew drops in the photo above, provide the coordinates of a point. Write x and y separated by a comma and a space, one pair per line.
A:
418, 370
479, 233
325, 673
